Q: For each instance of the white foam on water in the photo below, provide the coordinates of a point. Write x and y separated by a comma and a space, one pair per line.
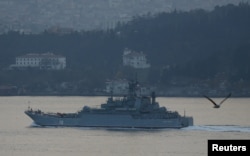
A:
33, 124
218, 128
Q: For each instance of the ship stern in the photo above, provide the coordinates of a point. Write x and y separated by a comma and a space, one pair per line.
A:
187, 121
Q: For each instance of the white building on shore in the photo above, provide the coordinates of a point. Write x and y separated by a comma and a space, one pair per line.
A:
47, 61
135, 59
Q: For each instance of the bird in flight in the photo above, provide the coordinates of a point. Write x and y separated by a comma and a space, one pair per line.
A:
215, 104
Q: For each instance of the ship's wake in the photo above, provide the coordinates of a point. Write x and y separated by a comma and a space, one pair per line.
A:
218, 128
211, 128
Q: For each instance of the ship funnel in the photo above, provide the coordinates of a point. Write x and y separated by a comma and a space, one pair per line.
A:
153, 97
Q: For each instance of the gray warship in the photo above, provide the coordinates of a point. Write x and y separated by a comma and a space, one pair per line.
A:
130, 111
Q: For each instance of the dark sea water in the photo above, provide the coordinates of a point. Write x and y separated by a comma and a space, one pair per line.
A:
19, 136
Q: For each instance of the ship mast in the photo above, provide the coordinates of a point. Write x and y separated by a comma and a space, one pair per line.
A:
132, 89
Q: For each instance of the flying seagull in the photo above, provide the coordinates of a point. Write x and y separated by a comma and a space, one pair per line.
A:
215, 104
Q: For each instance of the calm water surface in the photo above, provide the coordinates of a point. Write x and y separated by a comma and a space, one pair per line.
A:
19, 137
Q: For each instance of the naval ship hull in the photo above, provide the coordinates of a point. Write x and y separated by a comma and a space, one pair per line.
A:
108, 121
